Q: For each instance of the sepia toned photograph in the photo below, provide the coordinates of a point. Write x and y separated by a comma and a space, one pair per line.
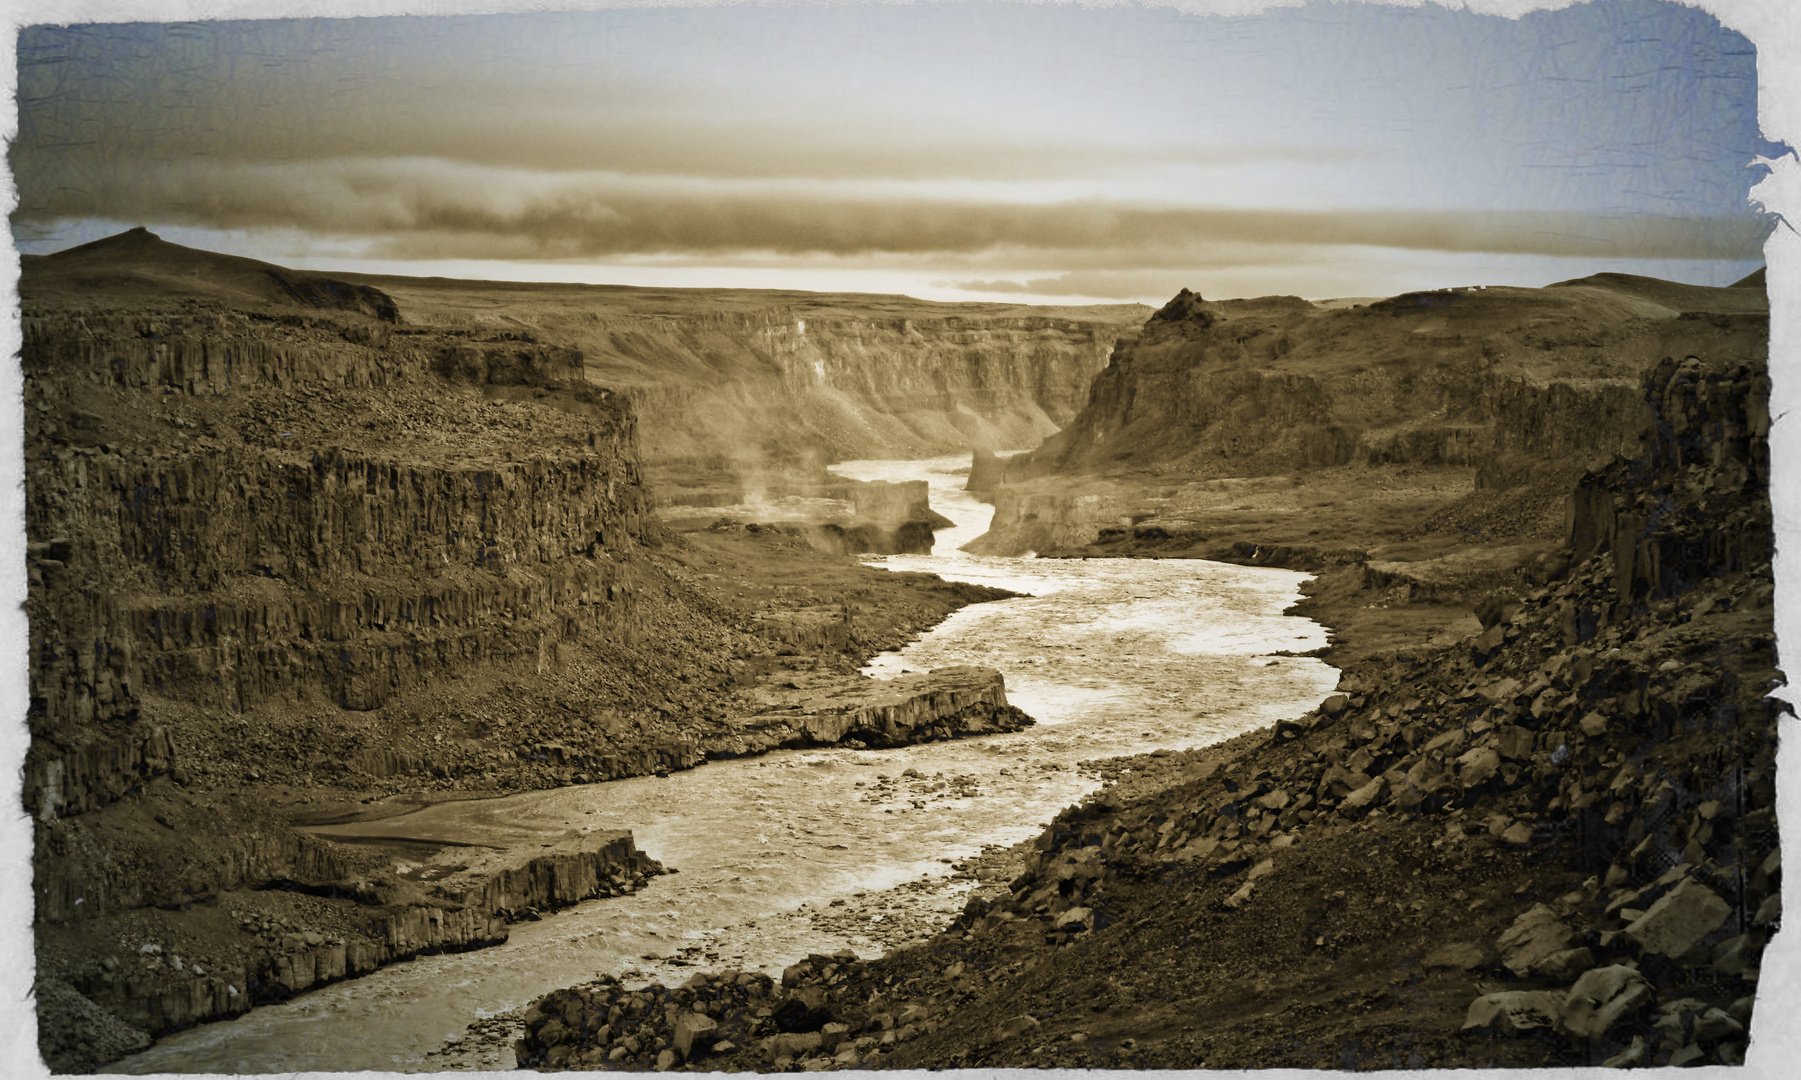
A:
960, 535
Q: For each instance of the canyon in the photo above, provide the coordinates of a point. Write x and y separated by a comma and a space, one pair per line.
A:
310, 554
1550, 842
298, 560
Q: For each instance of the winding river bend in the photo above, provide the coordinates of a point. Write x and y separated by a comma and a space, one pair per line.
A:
1111, 656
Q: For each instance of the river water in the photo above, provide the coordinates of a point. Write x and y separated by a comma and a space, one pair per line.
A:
1110, 656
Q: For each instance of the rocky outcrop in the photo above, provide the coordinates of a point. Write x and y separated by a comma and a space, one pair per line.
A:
1039, 521
829, 513
156, 992
890, 502
985, 474
1502, 378
863, 538
860, 712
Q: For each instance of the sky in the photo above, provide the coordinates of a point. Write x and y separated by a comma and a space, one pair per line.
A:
1024, 152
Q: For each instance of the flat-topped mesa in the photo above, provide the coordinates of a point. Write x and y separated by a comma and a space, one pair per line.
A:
1505, 395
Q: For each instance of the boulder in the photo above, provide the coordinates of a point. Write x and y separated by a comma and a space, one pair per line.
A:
1679, 919
1513, 1011
1532, 938
805, 1010
1477, 765
1566, 964
1631, 1057
793, 1044
1502, 691
692, 1029
1716, 1024
1735, 956
1602, 997
1364, 797
1514, 742
1458, 955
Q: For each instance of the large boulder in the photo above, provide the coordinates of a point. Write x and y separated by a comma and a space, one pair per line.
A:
1513, 1011
692, 1029
1360, 800
1602, 997
1475, 766
1533, 938
1679, 919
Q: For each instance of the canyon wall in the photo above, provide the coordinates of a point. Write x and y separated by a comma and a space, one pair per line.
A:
313, 565
779, 383
1309, 433
774, 387
248, 529
1518, 381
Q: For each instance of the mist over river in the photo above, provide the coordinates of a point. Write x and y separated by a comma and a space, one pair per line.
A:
1111, 657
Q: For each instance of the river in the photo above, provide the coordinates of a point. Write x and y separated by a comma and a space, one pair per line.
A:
1111, 657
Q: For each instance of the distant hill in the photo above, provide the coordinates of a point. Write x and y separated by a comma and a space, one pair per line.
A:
139, 265
1746, 294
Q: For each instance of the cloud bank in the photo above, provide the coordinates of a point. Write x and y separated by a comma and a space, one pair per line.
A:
1022, 149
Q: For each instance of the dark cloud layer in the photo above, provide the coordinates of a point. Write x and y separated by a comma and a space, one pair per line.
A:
428, 210
236, 93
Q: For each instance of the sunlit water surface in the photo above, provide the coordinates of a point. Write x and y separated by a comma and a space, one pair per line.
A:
1111, 656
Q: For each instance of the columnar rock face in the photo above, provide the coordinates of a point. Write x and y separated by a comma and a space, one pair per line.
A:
730, 389
234, 517
235, 351
1708, 425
